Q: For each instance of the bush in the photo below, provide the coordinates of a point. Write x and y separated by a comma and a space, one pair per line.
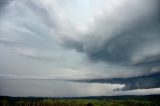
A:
90, 104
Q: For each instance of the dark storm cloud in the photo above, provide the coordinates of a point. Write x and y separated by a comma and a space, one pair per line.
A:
120, 50
150, 61
3, 3
126, 46
140, 82
120, 47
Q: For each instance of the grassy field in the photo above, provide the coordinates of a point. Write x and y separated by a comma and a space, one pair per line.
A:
88, 101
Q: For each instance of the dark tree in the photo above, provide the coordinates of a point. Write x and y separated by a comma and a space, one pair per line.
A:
90, 104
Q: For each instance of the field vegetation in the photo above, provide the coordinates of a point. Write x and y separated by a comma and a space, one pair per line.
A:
89, 101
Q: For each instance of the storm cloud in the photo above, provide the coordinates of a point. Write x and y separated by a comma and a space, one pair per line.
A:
105, 43
128, 33
4, 3
140, 82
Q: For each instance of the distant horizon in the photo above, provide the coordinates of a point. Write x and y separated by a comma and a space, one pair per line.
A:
81, 96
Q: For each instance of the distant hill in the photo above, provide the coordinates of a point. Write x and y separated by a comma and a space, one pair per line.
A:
144, 97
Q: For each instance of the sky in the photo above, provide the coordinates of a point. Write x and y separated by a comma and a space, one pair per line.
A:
72, 48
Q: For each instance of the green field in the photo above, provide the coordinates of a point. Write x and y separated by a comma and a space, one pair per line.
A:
90, 101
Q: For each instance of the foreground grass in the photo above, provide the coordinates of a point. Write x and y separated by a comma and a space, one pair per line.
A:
77, 102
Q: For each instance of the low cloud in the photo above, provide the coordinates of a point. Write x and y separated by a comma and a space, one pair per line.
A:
140, 82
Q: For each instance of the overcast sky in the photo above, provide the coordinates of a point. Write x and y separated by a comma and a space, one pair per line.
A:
79, 47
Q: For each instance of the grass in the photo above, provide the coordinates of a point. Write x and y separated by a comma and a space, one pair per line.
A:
98, 101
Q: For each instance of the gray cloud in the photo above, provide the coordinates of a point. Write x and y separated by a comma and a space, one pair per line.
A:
3, 6
3, 3
109, 41
135, 32
120, 49
124, 39
140, 82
